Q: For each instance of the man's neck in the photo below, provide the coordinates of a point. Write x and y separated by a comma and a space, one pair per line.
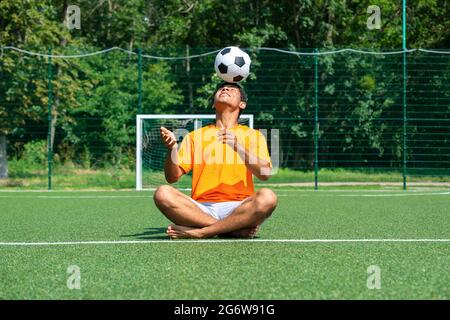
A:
226, 120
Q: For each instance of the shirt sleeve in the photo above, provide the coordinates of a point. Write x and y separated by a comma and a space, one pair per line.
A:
186, 154
258, 147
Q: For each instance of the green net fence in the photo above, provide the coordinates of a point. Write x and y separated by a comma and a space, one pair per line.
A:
335, 111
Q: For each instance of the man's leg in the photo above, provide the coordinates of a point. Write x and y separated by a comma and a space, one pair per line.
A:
249, 214
179, 209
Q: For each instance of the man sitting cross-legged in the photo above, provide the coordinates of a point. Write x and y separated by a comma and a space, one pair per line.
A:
223, 157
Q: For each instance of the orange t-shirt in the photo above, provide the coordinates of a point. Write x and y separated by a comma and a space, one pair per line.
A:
218, 173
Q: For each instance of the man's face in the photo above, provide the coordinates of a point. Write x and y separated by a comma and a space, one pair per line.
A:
228, 95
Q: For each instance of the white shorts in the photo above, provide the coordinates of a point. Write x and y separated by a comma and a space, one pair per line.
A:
218, 210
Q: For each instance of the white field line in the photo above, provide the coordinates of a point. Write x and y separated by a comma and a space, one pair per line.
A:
69, 191
395, 194
68, 243
396, 190
279, 195
368, 195
53, 193
412, 189
72, 197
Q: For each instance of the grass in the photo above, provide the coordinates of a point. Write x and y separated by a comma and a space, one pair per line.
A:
226, 270
350, 175
71, 178
74, 178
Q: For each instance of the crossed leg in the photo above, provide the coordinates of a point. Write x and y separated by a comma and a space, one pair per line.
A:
191, 222
178, 208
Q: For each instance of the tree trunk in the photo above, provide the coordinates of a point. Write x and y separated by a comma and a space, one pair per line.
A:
3, 159
110, 11
189, 82
296, 25
53, 123
56, 105
56, 96
329, 38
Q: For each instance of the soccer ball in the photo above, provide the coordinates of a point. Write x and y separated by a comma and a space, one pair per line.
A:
232, 64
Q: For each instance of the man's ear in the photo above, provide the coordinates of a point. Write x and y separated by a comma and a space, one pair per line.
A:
242, 105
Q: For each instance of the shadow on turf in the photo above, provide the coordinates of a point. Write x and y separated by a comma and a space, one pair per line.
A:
160, 233
148, 234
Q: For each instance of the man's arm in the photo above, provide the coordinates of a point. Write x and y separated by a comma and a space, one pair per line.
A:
257, 166
172, 171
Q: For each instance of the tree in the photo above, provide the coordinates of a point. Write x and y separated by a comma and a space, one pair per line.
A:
30, 25
95, 98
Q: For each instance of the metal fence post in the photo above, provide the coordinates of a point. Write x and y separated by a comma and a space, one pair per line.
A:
49, 118
139, 81
316, 120
405, 119
404, 95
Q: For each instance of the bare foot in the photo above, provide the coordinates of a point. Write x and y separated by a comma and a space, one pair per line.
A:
181, 232
248, 233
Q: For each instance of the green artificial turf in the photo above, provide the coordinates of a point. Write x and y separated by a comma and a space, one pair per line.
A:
226, 270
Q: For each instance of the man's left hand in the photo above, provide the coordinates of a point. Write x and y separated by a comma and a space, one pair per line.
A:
229, 138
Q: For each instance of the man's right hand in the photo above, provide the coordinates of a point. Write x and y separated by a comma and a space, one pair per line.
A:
168, 138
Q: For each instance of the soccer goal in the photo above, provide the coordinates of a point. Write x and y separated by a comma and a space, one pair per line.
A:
151, 152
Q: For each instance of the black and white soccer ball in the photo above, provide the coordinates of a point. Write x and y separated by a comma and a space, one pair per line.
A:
232, 64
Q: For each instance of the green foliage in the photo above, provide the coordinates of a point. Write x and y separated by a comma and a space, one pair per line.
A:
95, 99
32, 162
34, 154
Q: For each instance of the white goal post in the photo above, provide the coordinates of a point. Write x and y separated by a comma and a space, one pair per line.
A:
197, 122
